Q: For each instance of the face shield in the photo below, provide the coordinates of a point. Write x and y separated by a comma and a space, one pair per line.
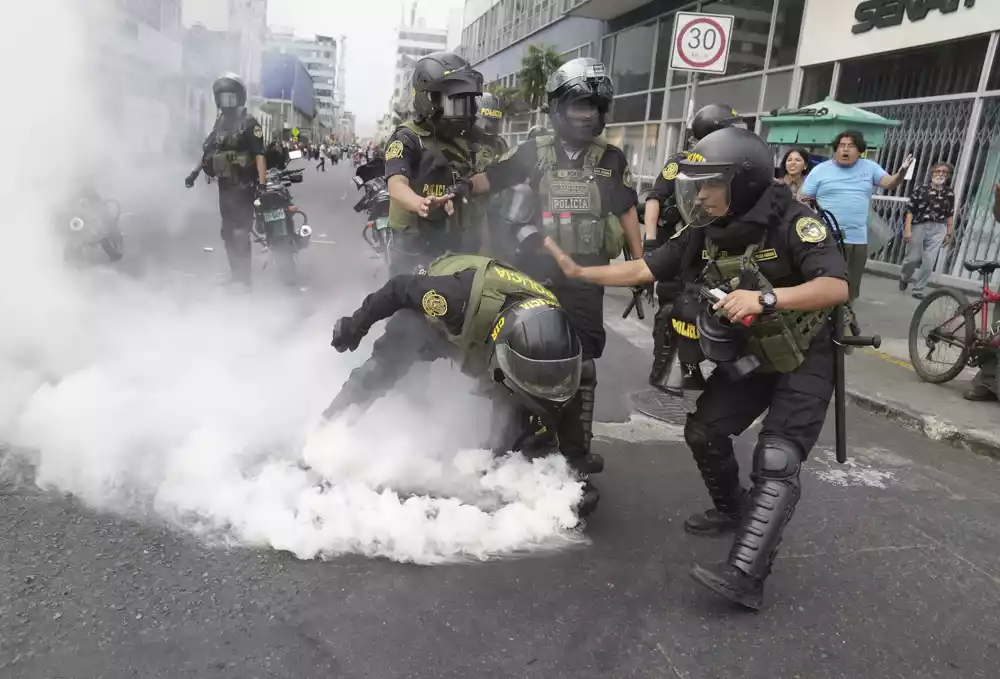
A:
703, 198
227, 100
554, 381
459, 106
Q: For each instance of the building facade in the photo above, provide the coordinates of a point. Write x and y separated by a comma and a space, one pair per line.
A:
289, 95
412, 42
933, 66
320, 58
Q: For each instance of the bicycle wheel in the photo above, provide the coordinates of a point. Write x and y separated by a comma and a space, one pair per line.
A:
932, 339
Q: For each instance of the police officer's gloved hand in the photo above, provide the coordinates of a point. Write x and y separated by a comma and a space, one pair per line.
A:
650, 244
189, 181
461, 189
529, 239
346, 337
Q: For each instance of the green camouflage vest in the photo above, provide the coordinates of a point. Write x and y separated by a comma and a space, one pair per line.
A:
572, 214
493, 284
441, 163
230, 159
780, 340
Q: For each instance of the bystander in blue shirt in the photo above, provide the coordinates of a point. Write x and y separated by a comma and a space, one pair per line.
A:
847, 193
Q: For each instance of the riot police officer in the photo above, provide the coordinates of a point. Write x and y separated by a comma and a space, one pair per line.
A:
426, 156
661, 219
777, 267
498, 323
489, 147
233, 153
588, 202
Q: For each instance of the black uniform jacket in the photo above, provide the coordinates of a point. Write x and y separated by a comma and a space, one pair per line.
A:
795, 246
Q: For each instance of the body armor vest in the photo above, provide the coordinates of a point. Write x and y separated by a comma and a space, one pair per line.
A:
493, 284
572, 214
441, 164
230, 159
779, 340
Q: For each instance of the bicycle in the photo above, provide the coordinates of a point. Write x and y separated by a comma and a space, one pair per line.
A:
958, 331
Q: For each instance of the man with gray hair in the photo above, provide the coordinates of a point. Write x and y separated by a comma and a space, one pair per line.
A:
929, 223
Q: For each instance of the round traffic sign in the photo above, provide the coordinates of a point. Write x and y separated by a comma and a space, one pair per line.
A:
701, 43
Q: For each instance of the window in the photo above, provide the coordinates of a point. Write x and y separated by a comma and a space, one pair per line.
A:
777, 89
740, 94
751, 26
633, 59
947, 68
629, 109
675, 107
663, 49
655, 105
815, 83
786, 32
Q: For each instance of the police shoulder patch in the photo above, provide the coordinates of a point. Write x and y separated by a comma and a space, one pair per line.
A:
810, 230
257, 132
434, 304
627, 179
670, 171
394, 151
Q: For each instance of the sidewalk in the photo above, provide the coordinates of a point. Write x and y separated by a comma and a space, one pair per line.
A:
883, 381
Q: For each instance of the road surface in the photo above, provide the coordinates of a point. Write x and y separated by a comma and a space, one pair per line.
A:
890, 568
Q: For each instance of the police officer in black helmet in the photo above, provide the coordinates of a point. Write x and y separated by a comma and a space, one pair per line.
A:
489, 147
587, 201
233, 153
780, 275
661, 220
425, 157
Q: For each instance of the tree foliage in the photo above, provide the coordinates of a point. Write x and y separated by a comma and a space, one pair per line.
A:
536, 68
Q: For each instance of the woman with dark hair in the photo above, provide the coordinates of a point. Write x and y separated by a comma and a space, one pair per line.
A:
794, 168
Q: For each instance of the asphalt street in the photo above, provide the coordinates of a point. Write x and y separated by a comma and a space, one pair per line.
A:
890, 568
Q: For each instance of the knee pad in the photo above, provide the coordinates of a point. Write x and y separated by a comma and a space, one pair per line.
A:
704, 441
588, 373
777, 458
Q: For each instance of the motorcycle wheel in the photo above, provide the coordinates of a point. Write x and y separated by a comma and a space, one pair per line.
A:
113, 244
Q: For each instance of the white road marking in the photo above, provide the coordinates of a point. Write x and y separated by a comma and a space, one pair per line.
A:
634, 331
322, 242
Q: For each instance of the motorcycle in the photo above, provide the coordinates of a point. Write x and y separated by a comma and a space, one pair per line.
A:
371, 178
275, 227
92, 221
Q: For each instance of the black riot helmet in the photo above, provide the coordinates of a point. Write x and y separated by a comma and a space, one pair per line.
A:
723, 176
230, 92
579, 95
714, 117
489, 119
445, 89
538, 354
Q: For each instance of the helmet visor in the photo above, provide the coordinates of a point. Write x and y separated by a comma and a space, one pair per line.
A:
703, 199
459, 106
227, 100
556, 381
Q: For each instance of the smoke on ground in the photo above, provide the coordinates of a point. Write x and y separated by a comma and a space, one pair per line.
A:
186, 402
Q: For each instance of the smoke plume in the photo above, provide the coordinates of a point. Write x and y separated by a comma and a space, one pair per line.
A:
173, 399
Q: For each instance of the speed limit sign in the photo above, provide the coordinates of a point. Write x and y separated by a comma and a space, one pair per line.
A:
701, 42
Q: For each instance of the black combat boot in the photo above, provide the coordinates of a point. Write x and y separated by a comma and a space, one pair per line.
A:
717, 463
775, 493
661, 346
576, 432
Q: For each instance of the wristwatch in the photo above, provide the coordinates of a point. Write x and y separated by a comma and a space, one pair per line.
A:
768, 302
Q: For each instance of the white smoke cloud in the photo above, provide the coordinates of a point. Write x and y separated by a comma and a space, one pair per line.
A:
177, 401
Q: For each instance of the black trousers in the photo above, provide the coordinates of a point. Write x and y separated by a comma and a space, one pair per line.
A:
796, 402
236, 209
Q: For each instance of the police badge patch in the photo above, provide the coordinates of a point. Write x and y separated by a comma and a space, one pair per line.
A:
670, 171
257, 132
394, 151
434, 304
628, 180
810, 230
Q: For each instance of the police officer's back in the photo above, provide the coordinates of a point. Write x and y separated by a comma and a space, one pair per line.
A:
426, 156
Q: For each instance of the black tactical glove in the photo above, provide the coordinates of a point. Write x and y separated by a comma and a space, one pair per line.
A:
529, 239
189, 181
346, 337
650, 244
461, 189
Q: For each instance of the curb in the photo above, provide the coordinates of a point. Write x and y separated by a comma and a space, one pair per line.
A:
979, 442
